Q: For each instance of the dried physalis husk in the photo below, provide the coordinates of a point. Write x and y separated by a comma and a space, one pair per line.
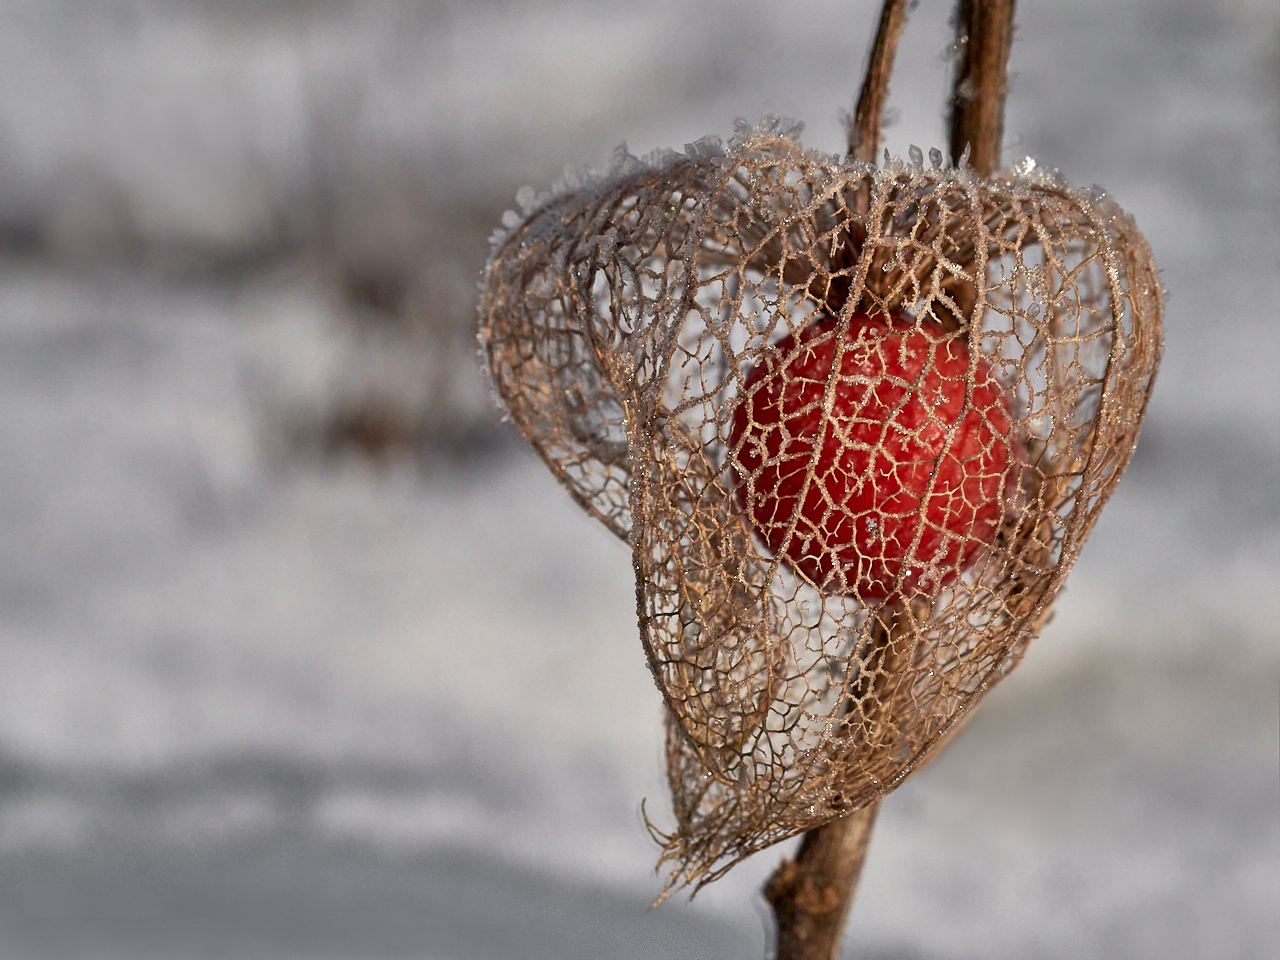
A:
627, 320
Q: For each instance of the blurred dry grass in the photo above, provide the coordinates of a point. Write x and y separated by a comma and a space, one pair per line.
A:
284, 166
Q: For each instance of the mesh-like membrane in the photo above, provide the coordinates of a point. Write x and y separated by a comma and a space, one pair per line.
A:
855, 424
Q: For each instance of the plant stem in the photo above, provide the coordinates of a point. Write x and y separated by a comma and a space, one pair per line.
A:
864, 127
811, 895
984, 37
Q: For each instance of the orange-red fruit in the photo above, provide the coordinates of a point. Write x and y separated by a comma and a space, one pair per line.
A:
909, 482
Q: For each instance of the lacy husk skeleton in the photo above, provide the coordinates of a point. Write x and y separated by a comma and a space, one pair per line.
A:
620, 318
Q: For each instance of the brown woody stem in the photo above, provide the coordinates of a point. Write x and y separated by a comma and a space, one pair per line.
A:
864, 127
811, 895
863, 133
984, 37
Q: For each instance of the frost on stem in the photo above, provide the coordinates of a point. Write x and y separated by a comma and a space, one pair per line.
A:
837, 553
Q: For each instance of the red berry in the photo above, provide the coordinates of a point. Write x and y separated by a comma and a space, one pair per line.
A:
902, 457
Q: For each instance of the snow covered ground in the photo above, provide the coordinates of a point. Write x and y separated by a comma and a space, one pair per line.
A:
256, 704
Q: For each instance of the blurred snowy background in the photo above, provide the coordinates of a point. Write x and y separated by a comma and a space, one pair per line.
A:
303, 656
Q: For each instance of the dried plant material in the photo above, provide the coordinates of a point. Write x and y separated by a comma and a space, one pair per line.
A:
818, 622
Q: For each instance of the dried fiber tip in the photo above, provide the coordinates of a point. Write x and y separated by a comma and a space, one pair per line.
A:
855, 424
